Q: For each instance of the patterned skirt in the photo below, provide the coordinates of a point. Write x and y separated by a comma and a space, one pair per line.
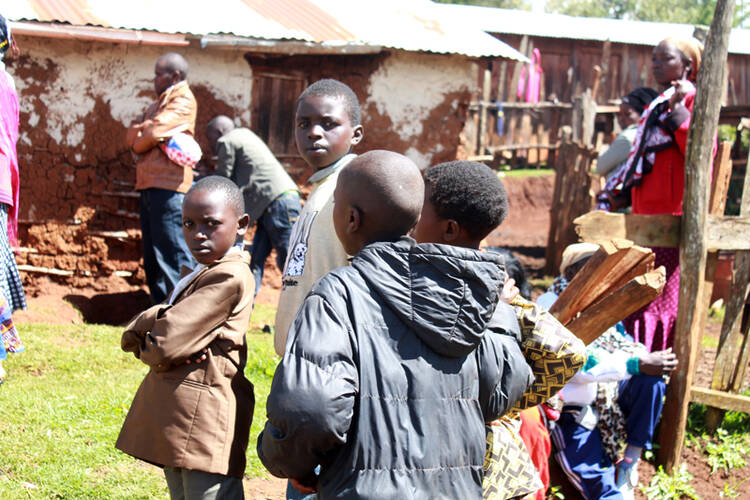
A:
654, 324
9, 339
10, 280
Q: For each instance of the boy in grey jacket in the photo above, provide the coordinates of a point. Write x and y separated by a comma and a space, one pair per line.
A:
388, 378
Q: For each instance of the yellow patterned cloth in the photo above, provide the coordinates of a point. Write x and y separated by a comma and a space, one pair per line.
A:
551, 350
554, 355
508, 469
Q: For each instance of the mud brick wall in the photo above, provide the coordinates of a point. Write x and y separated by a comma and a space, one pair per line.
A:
78, 212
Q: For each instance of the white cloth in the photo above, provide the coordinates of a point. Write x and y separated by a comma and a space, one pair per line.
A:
314, 249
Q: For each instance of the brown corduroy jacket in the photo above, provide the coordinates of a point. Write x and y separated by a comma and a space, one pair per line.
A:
174, 112
195, 416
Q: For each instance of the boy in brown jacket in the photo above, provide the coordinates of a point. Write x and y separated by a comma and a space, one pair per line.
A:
192, 413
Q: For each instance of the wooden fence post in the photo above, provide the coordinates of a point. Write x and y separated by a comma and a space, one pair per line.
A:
692, 310
731, 353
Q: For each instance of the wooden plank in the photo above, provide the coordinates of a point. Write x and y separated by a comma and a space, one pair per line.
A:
721, 174
501, 81
615, 307
482, 129
643, 230
727, 233
722, 232
718, 399
692, 313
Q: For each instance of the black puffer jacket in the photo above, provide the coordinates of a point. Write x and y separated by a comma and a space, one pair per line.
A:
389, 375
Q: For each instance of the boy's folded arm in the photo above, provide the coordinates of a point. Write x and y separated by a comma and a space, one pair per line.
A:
311, 403
191, 324
135, 331
552, 351
173, 118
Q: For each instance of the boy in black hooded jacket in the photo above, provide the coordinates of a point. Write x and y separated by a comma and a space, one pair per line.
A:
388, 377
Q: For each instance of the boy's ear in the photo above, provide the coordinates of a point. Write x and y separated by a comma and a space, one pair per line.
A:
243, 223
353, 219
358, 134
451, 230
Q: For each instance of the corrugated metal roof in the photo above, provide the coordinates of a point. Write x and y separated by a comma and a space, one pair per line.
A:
413, 25
522, 22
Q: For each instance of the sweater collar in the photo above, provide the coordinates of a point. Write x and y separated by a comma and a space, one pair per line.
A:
334, 167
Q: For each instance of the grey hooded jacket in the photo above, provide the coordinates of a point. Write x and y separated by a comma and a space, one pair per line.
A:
390, 374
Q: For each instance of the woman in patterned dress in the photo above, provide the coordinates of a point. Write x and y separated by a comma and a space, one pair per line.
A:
12, 296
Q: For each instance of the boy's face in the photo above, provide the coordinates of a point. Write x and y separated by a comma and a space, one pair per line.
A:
210, 225
429, 228
323, 130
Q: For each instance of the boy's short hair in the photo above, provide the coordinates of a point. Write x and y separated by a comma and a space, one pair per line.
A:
229, 190
469, 193
329, 87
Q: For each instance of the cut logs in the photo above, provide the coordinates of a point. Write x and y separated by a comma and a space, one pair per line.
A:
612, 266
613, 308
617, 280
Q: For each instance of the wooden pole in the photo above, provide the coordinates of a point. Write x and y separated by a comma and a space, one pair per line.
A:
692, 311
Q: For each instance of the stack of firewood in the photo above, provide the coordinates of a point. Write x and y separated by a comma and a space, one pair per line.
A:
616, 281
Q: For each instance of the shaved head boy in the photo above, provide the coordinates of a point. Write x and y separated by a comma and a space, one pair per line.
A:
361, 214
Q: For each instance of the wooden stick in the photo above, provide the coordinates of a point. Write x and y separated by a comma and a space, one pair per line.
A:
721, 175
44, 270
692, 310
635, 294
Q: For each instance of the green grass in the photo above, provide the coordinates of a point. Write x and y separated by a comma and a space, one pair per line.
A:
526, 172
62, 407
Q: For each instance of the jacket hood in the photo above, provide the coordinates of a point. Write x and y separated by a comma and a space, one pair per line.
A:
445, 294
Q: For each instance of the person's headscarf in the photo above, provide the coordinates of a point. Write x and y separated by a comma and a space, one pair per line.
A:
575, 253
640, 98
690, 48
5, 35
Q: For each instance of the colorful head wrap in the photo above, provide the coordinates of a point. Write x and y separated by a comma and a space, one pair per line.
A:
5, 35
690, 48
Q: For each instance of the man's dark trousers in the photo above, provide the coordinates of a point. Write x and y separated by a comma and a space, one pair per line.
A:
164, 248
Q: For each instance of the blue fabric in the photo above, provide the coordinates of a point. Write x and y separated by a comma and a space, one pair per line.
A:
164, 248
273, 232
293, 494
3, 354
641, 400
579, 450
580, 454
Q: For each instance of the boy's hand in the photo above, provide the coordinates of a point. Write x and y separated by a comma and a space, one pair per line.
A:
510, 291
306, 486
197, 358
658, 362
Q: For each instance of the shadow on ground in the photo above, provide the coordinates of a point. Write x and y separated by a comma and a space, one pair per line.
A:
114, 309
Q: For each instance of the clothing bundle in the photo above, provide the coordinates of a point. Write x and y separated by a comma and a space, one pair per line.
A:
653, 135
